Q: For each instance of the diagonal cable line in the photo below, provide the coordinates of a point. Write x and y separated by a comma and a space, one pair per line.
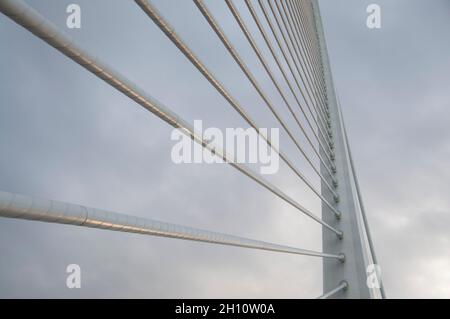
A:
31, 20
303, 61
288, 62
304, 24
291, 35
286, 79
301, 50
322, 127
156, 17
311, 33
214, 25
359, 196
276, 84
359, 287
265, 64
342, 287
299, 25
305, 16
292, 23
292, 53
320, 118
314, 55
51, 211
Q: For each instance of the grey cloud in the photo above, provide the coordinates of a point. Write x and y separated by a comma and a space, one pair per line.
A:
66, 135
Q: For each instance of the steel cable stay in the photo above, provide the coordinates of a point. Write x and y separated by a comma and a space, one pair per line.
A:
359, 196
313, 56
299, 24
50, 211
301, 47
310, 31
316, 54
277, 85
317, 117
288, 63
300, 38
238, 59
213, 23
168, 30
285, 56
342, 287
356, 276
321, 120
303, 25
301, 60
283, 30
27, 17
291, 23
296, 60
324, 145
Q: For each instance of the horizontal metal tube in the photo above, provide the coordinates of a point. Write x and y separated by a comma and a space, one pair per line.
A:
50, 211
342, 286
27, 17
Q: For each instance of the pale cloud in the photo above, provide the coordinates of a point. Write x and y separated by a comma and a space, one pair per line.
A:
66, 135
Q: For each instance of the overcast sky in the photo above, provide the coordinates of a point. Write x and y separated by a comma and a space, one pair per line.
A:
68, 136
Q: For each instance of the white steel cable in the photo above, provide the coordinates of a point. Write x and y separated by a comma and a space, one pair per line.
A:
252, 42
303, 59
285, 77
168, 30
360, 199
51, 211
289, 64
228, 45
320, 118
311, 32
299, 24
342, 287
300, 47
314, 54
31, 20
265, 64
215, 26
291, 35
